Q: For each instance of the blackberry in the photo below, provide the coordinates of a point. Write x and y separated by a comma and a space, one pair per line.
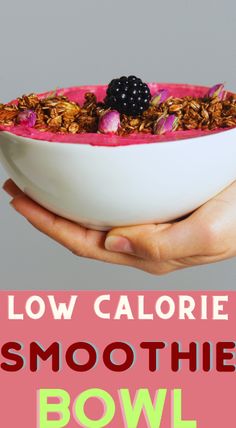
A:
128, 95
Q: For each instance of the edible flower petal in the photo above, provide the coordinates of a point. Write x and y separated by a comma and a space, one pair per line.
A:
109, 122
166, 124
217, 91
27, 117
160, 97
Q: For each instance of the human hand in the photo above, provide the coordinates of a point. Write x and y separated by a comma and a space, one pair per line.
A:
207, 235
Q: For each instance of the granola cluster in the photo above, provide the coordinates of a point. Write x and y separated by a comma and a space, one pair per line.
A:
60, 115
55, 113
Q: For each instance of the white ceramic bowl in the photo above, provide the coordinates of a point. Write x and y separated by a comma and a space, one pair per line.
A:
102, 187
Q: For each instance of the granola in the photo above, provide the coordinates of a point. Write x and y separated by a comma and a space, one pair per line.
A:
57, 113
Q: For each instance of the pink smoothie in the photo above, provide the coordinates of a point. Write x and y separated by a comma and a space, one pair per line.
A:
77, 94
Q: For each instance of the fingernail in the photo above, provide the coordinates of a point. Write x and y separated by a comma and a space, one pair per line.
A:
118, 244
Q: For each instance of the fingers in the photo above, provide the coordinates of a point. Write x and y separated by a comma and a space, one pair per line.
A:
157, 242
148, 242
80, 241
61, 230
11, 188
153, 248
207, 235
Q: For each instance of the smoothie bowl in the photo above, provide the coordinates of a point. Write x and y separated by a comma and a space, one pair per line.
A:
101, 166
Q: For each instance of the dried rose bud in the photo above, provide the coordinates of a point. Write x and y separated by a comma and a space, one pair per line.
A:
160, 97
166, 124
27, 117
217, 91
109, 122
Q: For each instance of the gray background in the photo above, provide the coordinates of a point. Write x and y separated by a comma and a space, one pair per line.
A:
45, 44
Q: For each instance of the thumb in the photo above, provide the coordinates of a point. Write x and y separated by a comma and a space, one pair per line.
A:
157, 242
